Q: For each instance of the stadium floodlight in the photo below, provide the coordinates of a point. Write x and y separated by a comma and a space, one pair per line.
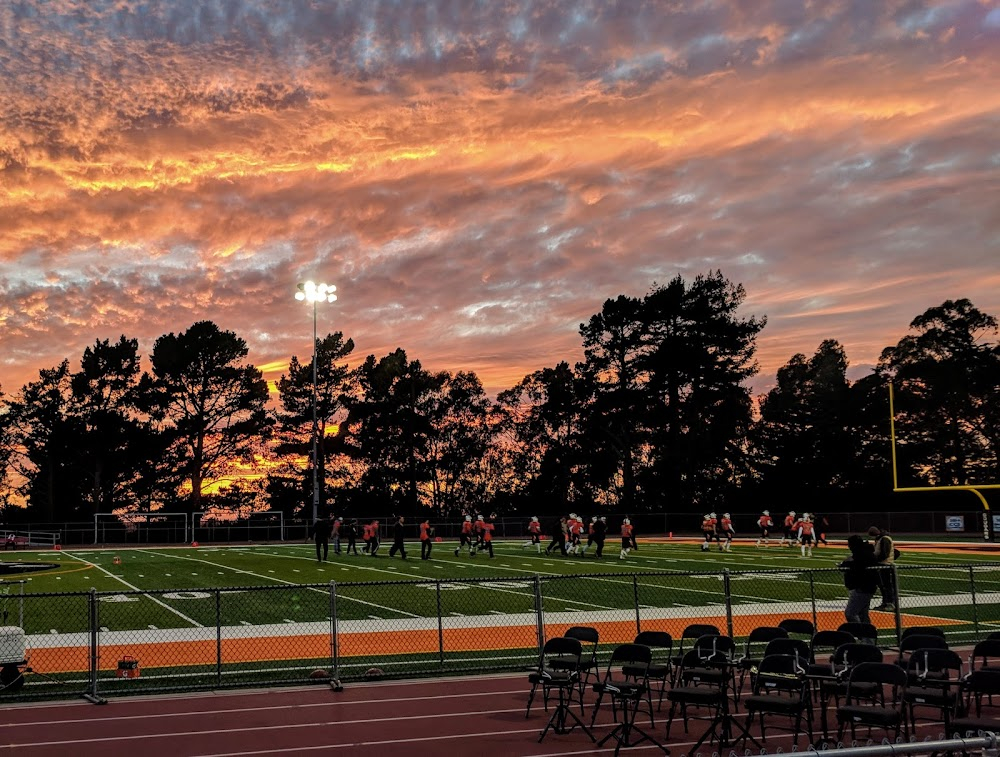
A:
310, 291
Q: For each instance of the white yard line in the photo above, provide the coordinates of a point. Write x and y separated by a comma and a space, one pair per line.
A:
162, 604
277, 580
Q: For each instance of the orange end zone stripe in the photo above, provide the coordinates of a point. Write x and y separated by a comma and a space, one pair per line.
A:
386, 643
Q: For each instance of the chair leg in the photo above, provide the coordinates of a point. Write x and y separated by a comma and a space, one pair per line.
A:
531, 698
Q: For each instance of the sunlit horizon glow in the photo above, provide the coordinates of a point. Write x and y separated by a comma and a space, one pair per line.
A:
478, 178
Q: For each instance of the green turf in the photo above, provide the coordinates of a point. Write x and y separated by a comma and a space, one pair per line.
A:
283, 583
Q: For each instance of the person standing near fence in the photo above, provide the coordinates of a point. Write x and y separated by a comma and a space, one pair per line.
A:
885, 556
321, 534
397, 539
860, 578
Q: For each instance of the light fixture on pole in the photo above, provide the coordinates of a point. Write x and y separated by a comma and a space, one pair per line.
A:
314, 293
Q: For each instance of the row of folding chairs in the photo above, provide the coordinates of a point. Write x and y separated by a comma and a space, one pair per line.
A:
701, 668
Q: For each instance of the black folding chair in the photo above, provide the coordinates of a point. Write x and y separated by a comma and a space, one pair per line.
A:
695, 690
754, 648
798, 627
978, 685
781, 688
886, 711
822, 645
588, 666
556, 669
689, 636
564, 680
864, 632
660, 669
626, 694
933, 680
909, 644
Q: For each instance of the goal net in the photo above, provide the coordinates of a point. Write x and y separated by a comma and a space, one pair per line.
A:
140, 527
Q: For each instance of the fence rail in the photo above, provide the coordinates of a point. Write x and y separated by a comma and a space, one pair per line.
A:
101, 644
179, 529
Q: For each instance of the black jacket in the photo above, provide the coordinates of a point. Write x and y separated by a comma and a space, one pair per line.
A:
322, 529
858, 569
398, 531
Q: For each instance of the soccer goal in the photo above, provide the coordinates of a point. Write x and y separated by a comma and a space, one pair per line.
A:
267, 525
141, 527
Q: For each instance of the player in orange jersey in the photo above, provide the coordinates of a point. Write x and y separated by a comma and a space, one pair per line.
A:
788, 532
765, 523
806, 534
465, 537
535, 534
726, 533
626, 538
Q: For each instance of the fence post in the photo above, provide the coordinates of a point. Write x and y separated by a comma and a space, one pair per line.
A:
894, 583
334, 642
218, 637
539, 619
437, 585
812, 597
727, 591
93, 695
975, 609
635, 594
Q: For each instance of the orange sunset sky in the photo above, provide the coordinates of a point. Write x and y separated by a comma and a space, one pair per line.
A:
478, 177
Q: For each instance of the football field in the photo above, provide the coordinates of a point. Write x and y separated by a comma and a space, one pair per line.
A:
674, 574
236, 614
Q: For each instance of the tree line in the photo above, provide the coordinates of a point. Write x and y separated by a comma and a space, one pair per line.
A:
657, 416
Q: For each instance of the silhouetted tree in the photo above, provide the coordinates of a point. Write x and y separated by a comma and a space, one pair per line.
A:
460, 416
544, 418
212, 401
389, 428
335, 384
947, 379
116, 445
617, 344
47, 434
805, 438
701, 354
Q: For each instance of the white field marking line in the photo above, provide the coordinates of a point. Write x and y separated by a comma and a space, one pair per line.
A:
282, 581
313, 724
268, 708
615, 577
164, 605
485, 585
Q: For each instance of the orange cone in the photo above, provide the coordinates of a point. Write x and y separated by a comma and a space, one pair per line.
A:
194, 544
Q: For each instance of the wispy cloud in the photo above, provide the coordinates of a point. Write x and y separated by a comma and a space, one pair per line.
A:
478, 177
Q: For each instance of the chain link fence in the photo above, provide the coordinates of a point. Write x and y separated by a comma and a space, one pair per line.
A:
108, 644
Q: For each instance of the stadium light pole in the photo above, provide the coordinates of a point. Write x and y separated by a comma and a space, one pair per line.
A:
314, 293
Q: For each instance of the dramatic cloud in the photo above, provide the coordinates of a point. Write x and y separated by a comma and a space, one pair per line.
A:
477, 178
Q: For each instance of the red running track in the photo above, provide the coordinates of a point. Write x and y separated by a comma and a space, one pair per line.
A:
482, 716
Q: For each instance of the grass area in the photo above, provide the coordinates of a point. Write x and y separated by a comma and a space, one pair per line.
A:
167, 587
